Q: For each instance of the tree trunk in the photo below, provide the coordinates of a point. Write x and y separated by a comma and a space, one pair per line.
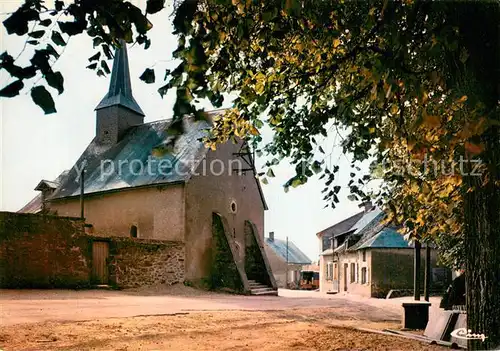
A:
478, 25
483, 263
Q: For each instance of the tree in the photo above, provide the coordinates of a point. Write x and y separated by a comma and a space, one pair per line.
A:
413, 84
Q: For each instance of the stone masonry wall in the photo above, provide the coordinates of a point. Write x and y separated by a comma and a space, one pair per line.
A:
143, 262
41, 251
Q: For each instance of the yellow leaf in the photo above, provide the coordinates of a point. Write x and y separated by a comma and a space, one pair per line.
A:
336, 43
432, 121
463, 99
474, 149
411, 144
254, 131
394, 109
259, 88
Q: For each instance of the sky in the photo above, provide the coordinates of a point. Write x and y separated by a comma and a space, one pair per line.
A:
34, 146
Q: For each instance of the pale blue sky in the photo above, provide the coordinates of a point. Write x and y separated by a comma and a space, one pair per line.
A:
35, 146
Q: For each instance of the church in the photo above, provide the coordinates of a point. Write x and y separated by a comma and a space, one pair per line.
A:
136, 182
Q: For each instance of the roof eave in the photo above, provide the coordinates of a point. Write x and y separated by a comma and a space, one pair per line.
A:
70, 197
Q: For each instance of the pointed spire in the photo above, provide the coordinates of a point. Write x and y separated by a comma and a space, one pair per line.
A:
120, 88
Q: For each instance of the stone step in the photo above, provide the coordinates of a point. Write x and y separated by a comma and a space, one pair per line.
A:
266, 288
257, 285
268, 292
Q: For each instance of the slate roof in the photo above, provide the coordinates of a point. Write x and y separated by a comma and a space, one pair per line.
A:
34, 206
294, 254
120, 87
387, 238
366, 219
341, 226
128, 163
371, 233
376, 234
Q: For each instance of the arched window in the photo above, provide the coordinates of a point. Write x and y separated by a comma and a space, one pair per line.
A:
133, 231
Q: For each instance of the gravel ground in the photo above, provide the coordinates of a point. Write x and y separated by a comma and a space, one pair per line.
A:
297, 329
183, 318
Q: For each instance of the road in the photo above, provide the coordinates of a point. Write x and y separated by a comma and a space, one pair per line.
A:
35, 306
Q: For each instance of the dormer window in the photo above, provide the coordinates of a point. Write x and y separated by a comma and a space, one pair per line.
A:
46, 188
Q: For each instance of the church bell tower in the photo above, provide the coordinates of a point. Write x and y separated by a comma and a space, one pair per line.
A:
118, 110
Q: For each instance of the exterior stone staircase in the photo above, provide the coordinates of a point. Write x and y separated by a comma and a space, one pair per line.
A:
259, 289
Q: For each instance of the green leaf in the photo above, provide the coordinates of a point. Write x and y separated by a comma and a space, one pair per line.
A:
56, 81
37, 34
105, 67
352, 197
51, 51
73, 28
42, 98
92, 66
57, 38
95, 57
264, 181
17, 23
59, 4
154, 6
45, 22
148, 76
12, 89
163, 90
296, 182
316, 167
270, 173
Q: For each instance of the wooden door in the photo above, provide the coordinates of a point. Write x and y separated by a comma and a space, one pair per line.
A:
100, 254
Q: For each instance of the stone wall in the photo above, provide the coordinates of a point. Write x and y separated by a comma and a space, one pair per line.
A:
224, 273
256, 266
400, 274
143, 262
41, 251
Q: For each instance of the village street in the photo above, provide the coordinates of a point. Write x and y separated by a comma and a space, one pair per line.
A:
183, 318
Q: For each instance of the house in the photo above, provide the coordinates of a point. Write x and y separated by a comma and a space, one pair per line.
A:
285, 257
137, 180
364, 256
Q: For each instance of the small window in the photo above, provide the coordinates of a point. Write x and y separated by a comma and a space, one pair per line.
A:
364, 255
329, 271
353, 272
335, 272
364, 275
357, 273
133, 231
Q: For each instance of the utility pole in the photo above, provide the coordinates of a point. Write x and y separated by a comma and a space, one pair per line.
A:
427, 281
416, 271
82, 189
286, 286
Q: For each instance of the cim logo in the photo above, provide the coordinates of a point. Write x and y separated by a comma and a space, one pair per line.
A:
466, 334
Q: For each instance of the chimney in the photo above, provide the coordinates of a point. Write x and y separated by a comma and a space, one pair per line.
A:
367, 205
271, 236
118, 110
187, 122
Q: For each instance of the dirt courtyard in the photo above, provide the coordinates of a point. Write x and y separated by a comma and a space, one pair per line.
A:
34, 320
